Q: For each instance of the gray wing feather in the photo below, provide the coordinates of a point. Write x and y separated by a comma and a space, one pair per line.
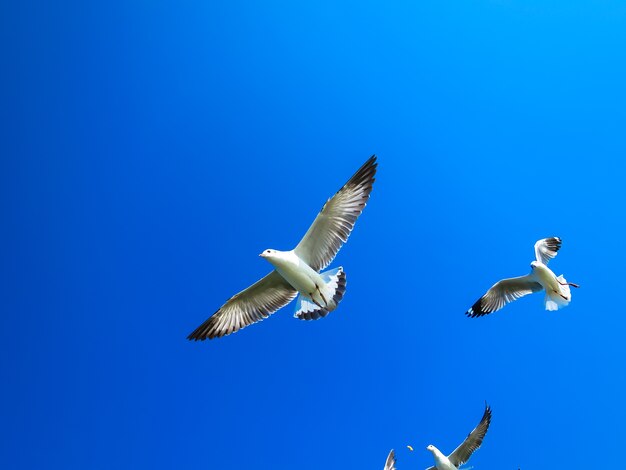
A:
473, 441
251, 305
547, 248
390, 464
332, 226
503, 292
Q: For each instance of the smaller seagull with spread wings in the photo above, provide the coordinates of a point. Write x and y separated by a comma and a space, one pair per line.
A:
390, 464
462, 453
541, 277
298, 270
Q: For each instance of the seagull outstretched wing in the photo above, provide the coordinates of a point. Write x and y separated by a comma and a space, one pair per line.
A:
332, 226
251, 305
473, 441
503, 292
546, 249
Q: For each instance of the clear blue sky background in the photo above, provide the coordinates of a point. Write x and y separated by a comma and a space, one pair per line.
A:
152, 149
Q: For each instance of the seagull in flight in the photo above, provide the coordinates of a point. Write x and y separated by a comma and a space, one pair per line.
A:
462, 453
390, 464
541, 277
298, 271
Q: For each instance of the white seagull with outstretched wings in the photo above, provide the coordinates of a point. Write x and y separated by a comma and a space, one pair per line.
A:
462, 453
541, 277
298, 270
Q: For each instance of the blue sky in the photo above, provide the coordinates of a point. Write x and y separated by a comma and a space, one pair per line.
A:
152, 149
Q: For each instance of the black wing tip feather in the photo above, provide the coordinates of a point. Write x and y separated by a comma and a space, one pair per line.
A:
205, 331
485, 421
365, 174
554, 243
367, 170
487, 414
211, 329
477, 310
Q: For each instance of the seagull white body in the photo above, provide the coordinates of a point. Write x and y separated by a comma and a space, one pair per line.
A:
299, 274
557, 293
441, 461
544, 275
541, 277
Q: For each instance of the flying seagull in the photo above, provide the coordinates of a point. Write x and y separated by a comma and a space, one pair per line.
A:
390, 464
541, 277
462, 453
298, 270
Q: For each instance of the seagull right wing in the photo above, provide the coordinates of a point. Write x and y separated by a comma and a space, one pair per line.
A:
546, 249
251, 305
473, 441
391, 461
332, 226
503, 292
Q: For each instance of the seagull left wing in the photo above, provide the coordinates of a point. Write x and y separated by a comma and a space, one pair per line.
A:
473, 441
251, 305
547, 248
332, 226
391, 461
503, 292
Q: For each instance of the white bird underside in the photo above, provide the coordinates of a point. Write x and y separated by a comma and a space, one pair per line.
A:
471, 444
507, 290
319, 246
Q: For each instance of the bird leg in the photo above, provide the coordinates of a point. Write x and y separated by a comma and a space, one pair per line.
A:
568, 284
313, 300
322, 295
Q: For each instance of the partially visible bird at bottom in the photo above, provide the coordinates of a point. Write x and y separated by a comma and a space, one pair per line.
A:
463, 452
390, 464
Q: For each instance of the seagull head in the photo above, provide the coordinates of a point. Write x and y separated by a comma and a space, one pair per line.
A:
267, 253
534, 264
431, 448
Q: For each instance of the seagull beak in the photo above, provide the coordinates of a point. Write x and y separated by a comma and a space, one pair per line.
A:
262, 255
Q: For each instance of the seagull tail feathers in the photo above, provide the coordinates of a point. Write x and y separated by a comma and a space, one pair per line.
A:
333, 291
557, 300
